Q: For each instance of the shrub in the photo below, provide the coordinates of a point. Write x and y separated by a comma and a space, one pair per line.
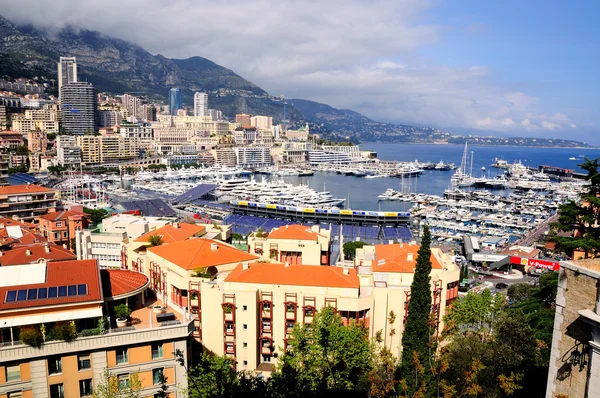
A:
228, 308
65, 330
122, 311
31, 336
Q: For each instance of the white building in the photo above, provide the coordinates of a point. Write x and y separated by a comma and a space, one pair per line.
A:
316, 158
67, 71
68, 153
262, 122
110, 118
352, 150
215, 115
104, 247
253, 156
133, 226
201, 104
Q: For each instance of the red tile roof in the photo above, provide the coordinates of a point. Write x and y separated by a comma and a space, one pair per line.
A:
60, 273
294, 232
61, 215
28, 238
23, 189
197, 253
121, 282
396, 258
170, 233
29, 254
297, 275
7, 222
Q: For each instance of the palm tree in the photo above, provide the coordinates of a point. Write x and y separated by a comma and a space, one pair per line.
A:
155, 240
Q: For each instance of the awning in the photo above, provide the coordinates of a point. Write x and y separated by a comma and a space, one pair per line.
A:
36, 319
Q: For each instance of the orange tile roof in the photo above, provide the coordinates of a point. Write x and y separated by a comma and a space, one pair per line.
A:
297, 275
37, 251
61, 215
119, 282
170, 233
7, 222
395, 257
295, 232
60, 273
28, 238
23, 189
197, 253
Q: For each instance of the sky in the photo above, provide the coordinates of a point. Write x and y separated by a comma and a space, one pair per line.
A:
510, 67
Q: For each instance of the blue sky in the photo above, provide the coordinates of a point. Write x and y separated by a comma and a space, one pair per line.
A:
500, 67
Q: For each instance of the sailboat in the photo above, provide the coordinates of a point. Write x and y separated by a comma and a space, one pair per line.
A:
461, 177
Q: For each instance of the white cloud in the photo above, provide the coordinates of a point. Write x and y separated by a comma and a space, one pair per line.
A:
348, 53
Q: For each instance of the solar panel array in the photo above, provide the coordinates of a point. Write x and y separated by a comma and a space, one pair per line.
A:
150, 207
43, 293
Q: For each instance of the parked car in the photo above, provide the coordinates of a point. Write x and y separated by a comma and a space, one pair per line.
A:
501, 285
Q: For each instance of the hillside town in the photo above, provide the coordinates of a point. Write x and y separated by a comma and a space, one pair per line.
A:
195, 263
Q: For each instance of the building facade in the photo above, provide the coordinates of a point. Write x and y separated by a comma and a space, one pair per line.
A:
67, 151
79, 108
67, 71
59, 227
253, 156
26, 201
37, 141
201, 104
45, 119
243, 119
107, 148
174, 101
262, 122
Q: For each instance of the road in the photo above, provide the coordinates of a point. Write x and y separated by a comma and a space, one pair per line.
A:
535, 235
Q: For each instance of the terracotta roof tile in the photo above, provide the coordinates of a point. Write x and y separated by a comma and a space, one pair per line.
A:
62, 215
170, 233
7, 222
196, 253
119, 282
297, 275
60, 273
396, 258
295, 232
28, 254
22, 189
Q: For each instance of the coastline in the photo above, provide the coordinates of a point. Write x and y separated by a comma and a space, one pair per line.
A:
476, 144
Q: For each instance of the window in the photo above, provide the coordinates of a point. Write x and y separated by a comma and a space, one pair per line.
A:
266, 325
266, 306
157, 375
85, 387
245, 327
157, 350
229, 347
229, 326
54, 365
84, 362
122, 356
266, 358
245, 363
13, 373
123, 382
245, 345
57, 391
289, 326
245, 308
16, 394
59, 223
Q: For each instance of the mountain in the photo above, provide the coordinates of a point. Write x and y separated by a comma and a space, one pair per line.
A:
116, 66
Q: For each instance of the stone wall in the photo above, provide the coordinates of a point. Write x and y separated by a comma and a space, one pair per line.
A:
577, 290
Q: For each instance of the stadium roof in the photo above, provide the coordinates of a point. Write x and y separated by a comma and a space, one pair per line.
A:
20, 179
150, 207
195, 193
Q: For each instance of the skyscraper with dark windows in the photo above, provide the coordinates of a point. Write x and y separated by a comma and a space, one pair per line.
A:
67, 71
174, 101
79, 108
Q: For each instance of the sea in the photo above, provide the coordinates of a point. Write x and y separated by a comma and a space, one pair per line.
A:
361, 193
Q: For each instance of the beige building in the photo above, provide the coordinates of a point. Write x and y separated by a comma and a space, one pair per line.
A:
262, 122
575, 355
37, 141
293, 244
224, 156
106, 148
298, 135
45, 119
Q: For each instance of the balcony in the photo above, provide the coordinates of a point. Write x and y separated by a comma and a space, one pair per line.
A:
143, 326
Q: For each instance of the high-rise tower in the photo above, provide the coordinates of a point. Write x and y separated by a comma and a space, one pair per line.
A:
79, 106
67, 71
200, 104
174, 101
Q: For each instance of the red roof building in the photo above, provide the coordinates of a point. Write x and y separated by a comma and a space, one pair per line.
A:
31, 254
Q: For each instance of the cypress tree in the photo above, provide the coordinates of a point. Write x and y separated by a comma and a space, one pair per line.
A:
418, 331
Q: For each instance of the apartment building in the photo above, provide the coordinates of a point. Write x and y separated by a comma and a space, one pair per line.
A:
243, 119
68, 153
26, 201
133, 226
262, 122
11, 139
60, 227
45, 119
109, 118
246, 135
40, 300
37, 141
106, 148
34, 253
224, 156
253, 156
142, 133
259, 303
293, 244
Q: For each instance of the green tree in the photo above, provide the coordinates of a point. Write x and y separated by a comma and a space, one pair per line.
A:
475, 314
96, 215
519, 291
213, 376
110, 386
417, 336
155, 240
582, 217
350, 249
325, 357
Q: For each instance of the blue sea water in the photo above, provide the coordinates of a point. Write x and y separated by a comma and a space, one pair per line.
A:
362, 193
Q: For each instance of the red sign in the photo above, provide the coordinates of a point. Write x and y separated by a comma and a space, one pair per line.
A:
534, 262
